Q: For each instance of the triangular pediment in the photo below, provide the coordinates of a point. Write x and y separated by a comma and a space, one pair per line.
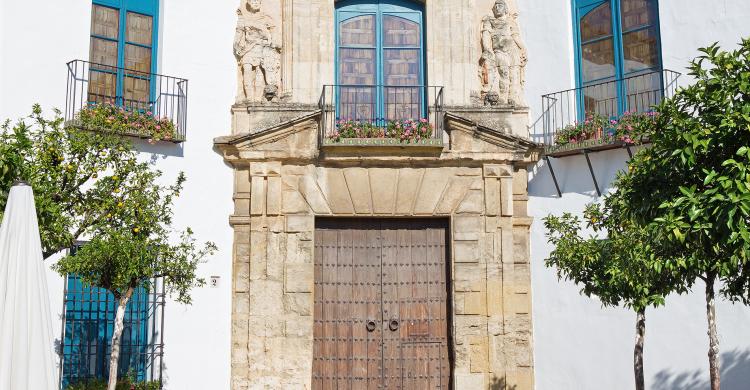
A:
293, 139
470, 136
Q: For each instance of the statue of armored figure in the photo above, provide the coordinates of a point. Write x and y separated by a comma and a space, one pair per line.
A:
258, 53
504, 58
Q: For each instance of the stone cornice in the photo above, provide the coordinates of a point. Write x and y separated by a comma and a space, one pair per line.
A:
468, 143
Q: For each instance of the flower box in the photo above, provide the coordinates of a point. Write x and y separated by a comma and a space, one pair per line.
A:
126, 121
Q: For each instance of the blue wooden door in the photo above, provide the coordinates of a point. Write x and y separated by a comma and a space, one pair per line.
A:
380, 60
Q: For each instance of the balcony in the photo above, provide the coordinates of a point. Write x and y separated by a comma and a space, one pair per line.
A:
124, 101
601, 116
382, 116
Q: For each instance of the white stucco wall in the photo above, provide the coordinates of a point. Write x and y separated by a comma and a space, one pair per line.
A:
195, 42
578, 344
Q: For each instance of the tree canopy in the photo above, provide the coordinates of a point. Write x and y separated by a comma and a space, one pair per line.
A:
77, 175
691, 186
90, 184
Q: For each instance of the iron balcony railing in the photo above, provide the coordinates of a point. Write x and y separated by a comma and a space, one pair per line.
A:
163, 97
379, 107
608, 99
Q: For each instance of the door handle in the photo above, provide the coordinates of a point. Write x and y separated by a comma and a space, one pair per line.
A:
370, 326
393, 324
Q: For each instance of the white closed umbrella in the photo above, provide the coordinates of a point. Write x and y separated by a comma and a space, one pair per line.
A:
27, 358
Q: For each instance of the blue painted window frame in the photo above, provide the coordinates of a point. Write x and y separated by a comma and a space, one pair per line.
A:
88, 326
410, 10
143, 7
581, 8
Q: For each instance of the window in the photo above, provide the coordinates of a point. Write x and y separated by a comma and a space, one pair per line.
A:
380, 60
88, 323
618, 55
123, 51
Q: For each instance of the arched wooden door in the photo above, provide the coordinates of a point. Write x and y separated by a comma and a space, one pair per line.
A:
381, 304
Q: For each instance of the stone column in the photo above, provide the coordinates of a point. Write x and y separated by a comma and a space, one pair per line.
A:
240, 222
272, 289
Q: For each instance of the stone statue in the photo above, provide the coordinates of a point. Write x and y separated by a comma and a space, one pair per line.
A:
503, 60
258, 53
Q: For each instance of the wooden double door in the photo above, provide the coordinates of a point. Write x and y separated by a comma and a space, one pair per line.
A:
381, 304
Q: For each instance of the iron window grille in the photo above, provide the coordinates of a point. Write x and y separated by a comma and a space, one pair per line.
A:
87, 324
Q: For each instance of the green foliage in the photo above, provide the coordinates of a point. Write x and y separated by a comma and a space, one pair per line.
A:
77, 175
132, 245
409, 129
124, 384
621, 269
630, 128
90, 184
691, 186
123, 120
593, 127
406, 130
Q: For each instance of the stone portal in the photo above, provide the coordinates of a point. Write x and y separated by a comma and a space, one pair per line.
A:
285, 181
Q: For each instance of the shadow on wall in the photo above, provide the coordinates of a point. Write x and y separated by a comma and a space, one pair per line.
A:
500, 384
573, 174
735, 375
160, 149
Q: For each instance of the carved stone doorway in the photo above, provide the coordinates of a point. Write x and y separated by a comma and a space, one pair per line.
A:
381, 304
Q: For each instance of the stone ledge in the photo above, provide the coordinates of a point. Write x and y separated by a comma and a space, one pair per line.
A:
382, 147
376, 142
177, 139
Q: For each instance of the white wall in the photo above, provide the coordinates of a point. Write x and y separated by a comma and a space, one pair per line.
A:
39, 37
578, 344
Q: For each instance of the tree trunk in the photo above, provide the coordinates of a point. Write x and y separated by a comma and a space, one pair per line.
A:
640, 334
119, 324
713, 349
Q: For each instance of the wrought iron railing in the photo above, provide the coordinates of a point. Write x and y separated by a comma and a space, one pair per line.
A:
609, 99
163, 97
380, 107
